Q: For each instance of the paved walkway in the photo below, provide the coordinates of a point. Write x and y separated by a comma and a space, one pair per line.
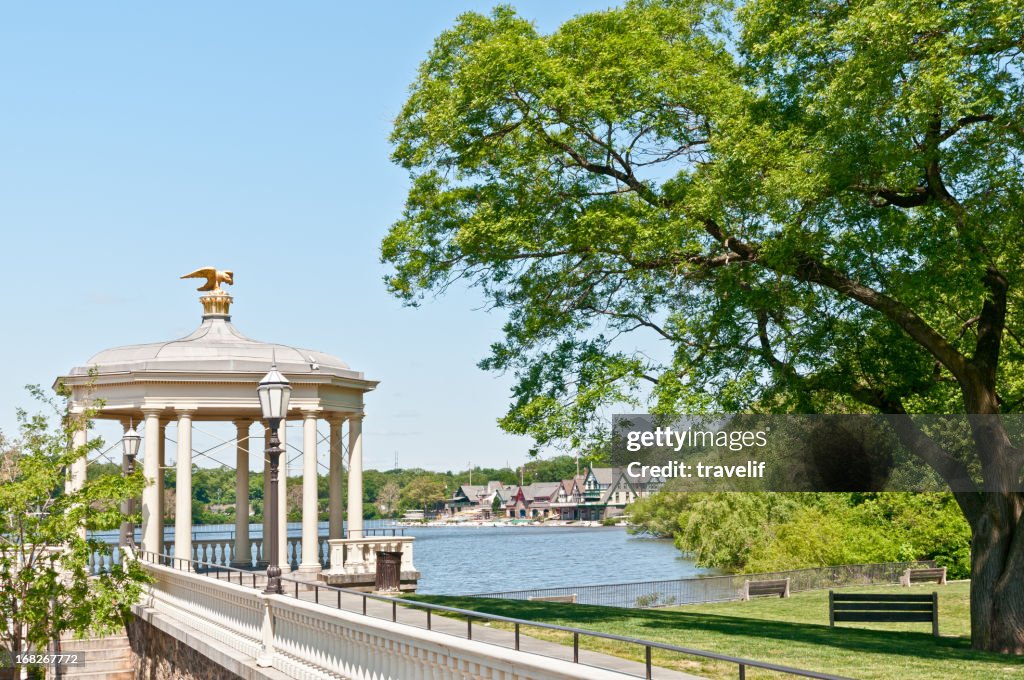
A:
458, 627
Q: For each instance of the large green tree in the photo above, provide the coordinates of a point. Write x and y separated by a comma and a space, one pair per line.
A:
808, 203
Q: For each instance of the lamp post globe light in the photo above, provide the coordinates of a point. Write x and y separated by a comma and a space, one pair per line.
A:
274, 391
130, 446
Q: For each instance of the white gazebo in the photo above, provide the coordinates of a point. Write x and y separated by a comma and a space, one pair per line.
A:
212, 375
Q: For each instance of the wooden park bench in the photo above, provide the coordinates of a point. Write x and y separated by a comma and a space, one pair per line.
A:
754, 588
937, 575
571, 599
874, 608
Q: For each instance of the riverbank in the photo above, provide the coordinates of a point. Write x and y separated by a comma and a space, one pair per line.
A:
577, 524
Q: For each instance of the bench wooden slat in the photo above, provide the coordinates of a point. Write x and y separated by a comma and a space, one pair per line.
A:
864, 597
883, 606
885, 617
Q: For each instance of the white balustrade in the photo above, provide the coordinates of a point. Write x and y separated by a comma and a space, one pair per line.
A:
226, 612
220, 551
316, 642
354, 560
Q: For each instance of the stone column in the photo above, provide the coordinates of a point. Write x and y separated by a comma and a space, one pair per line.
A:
310, 517
161, 487
80, 466
152, 526
265, 559
183, 491
282, 501
355, 476
243, 550
76, 475
334, 509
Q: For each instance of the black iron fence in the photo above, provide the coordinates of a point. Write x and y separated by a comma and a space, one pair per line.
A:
645, 594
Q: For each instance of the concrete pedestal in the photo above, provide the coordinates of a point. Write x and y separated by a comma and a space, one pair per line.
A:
354, 562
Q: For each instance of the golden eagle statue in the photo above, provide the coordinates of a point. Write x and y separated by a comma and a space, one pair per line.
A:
214, 277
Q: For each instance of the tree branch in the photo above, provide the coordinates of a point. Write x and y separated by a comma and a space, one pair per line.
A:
963, 123
811, 270
991, 322
885, 196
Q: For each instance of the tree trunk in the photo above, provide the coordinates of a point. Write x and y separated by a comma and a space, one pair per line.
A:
997, 575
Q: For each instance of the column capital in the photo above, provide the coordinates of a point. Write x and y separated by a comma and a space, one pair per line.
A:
310, 415
148, 411
243, 422
356, 416
185, 410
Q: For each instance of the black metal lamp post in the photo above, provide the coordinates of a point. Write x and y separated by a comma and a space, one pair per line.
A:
274, 392
130, 446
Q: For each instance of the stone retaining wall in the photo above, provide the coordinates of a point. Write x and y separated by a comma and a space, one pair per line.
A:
159, 656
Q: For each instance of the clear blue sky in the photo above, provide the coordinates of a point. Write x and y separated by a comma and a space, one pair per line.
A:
140, 142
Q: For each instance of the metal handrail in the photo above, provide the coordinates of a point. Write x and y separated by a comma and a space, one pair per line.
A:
384, 531
175, 563
648, 645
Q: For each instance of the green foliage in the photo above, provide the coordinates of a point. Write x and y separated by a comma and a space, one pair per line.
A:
45, 586
553, 469
778, 531
214, 485
423, 493
388, 499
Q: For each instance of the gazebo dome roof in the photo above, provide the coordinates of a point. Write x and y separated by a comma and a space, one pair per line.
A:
215, 347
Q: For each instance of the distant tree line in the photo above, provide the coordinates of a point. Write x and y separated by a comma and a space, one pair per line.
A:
386, 493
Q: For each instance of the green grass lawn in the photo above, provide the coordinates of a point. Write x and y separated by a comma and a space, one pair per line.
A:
793, 632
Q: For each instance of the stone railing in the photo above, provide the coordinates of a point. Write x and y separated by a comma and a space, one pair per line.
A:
301, 639
228, 613
221, 551
353, 562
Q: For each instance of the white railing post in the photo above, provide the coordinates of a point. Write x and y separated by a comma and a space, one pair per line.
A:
266, 657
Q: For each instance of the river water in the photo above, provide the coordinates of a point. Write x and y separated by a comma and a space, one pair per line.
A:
463, 560
467, 560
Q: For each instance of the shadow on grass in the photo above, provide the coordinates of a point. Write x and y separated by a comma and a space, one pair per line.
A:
667, 626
